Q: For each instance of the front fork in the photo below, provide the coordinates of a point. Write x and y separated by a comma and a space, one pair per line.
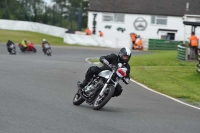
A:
106, 84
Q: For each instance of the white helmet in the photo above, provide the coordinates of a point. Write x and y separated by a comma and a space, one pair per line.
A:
44, 40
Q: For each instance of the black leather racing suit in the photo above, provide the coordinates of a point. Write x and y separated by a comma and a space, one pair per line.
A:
95, 70
8, 45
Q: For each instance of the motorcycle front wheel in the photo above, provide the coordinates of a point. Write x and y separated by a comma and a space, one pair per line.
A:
34, 50
102, 100
77, 100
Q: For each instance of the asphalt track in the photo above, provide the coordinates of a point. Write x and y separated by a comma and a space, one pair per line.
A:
36, 94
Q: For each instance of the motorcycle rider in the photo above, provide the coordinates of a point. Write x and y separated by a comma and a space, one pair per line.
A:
112, 60
9, 43
24, 44
44, 42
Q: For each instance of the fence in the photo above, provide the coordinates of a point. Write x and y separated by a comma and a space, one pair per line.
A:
198, 58
155, 44
182, 53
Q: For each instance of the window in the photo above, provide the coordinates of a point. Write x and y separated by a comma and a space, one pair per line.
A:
162, 20
117, 17
168, 36
108, 17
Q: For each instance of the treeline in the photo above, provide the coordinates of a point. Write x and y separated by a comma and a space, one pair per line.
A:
71, 14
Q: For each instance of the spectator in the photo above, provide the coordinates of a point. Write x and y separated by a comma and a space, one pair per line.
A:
88, 31
133, 38
194, 41
100, 33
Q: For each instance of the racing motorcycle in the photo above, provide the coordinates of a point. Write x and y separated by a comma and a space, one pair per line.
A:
101, 88
12, 49
30, 47
47, 49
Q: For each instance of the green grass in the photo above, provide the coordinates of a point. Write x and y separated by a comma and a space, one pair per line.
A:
17, 36
94, 60
36, 38
162, 72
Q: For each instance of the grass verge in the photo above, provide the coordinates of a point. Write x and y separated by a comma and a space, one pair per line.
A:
162, 72
36, 38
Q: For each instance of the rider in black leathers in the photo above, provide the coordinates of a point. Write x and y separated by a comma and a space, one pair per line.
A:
8, 45
112, 59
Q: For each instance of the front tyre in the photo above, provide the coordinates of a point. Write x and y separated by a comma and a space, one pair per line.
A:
77, 100
102, 100
34, 50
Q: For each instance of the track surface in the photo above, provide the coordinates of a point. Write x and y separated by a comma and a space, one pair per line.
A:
36, 94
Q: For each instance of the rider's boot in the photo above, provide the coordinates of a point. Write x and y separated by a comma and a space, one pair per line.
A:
84, 83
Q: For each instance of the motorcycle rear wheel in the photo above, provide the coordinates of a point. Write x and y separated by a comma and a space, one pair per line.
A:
48, 52
22, 50
14, 52
77, 100
98, 104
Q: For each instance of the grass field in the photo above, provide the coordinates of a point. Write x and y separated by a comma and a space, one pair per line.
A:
36, 38
162, 72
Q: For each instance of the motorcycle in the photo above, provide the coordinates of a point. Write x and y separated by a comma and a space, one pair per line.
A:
12, 49
101, 88
30, 47
47, 49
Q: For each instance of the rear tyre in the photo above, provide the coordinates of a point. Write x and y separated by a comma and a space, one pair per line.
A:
48, 52
100, 102
77, 100
14, 52
22, 49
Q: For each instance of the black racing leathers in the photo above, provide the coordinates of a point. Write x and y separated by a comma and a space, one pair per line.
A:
94, 70
114, 60
9, 43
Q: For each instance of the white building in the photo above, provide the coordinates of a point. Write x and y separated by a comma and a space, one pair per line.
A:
155, 19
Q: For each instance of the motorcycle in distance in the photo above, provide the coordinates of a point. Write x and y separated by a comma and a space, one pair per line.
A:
12, 49
30, 47
101, 88
47, 49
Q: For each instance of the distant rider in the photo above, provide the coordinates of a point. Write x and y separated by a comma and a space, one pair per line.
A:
44, 43
24, 44
9, 43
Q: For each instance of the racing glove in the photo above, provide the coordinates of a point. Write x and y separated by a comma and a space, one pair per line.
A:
126, 80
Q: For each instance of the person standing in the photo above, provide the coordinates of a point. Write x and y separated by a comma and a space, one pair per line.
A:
194, 41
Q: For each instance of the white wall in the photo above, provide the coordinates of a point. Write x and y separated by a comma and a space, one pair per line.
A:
32, 26
93, 40
173, 23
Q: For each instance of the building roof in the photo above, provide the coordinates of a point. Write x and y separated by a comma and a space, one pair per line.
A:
150, 7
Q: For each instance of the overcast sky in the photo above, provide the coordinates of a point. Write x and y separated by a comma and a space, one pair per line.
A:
48, 1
